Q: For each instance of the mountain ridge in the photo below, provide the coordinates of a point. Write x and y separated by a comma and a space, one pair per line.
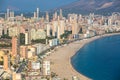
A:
96, 6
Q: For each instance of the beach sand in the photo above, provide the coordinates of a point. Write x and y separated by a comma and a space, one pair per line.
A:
61, 58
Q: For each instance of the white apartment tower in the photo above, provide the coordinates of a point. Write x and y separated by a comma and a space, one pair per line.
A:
38, 12
35, 15
27, 38
46, 68
47, 16
61, 16
48, 30
8, 13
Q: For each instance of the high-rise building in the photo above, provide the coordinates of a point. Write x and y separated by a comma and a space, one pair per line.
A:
35, 15
46, 67
58, 32
6, 62
21, 15
54, 28
33, 33
109, 22
12, 14
27, 38
62, 26
61, 16
74, 28
23, 51
1, 30
47, 16
8, 13
38, 12
55, 16
15, 46
48, 30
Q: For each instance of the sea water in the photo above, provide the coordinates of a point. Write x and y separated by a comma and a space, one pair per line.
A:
99, 59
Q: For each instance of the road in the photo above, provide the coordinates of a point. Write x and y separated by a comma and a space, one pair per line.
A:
22, 66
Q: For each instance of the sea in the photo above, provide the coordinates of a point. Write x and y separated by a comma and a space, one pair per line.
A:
99, 59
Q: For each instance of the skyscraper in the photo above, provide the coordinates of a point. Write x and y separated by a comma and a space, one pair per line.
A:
61, 16
11, 14
54, 28
8, 13
110, 22
38, 12
47, 16
62, 26
27, 37
22, 15
55, 16
58, 32
35, 15
48, 30
15, 46
23, 51
6, 62
74, 27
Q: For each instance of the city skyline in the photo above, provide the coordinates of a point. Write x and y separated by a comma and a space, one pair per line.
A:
58, 47
31, 5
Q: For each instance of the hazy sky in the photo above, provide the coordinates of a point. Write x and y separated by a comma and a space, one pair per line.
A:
31, 5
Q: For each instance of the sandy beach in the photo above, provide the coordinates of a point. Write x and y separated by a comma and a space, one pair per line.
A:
61, 58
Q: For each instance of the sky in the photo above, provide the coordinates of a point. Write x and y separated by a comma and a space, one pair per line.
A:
31, 5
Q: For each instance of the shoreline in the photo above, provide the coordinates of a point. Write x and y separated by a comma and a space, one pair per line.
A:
61, 58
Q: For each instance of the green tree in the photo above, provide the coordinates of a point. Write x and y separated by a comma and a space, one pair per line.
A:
1, 62
66, 34
6, 36
43, 41
52, 37
5, 45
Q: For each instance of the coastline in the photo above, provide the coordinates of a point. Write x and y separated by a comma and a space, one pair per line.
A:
61, 58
